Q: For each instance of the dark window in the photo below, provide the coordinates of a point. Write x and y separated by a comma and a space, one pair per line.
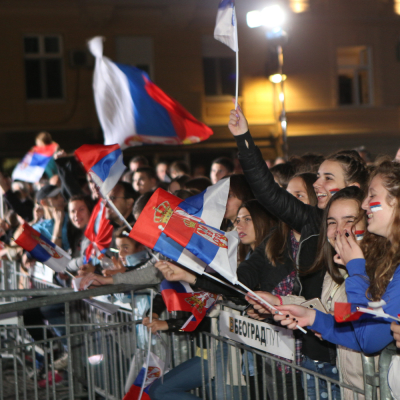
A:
219, 76
43, 67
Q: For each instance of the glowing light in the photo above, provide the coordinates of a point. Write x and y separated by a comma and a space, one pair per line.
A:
277, 78
96, 359
299, 6
254, 19
397, 6
273, 16
281, 97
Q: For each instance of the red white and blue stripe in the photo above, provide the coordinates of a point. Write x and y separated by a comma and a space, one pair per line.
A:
333, 191
155, 371
42, 249
359, 235
103, 163
179, 296
133, 111
226, 25
375, 206
32, 166
177, 228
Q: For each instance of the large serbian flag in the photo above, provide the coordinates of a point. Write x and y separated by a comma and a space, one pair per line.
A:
133, 386
103, 163
179, 296
190, 226
42, 249
133, 111
32, 166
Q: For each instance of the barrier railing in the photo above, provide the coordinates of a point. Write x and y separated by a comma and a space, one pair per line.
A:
100, 342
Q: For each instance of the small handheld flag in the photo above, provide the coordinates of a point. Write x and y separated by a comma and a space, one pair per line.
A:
155, 370
179, 296
226, 32
42, 249
133, 111
32, 166
103, 163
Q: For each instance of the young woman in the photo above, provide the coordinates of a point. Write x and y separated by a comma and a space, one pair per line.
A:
371, 279
342, 169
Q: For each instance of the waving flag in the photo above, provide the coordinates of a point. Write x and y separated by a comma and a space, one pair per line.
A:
154, 371
42, 249
103, 163
177, 228
133, 111
226, 26
99, 231
179, 296
32, 166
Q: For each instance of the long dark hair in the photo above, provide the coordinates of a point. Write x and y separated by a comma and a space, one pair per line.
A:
381, 254
325, 251
263, 222
277, 242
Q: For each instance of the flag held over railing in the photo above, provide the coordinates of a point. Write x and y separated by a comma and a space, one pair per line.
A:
179, 296
103, 163
133, 111
42, 249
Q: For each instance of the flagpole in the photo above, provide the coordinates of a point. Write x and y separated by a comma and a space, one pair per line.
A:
224, 283
1, 204
237, 78
266, 302
148, 350
121, 217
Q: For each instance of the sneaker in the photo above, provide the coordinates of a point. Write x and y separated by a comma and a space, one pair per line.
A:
61, 363
57, 377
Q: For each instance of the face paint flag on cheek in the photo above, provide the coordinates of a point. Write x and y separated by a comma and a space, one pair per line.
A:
376, 206
359, 235
333, 191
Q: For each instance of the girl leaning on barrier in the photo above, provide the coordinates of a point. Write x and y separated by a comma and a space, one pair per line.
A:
373, 270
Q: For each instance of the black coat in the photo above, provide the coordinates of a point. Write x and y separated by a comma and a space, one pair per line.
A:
301, 217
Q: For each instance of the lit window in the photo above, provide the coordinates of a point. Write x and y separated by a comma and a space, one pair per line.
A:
354, 75
43, 67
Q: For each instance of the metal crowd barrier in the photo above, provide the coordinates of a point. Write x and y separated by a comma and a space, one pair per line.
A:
100, 341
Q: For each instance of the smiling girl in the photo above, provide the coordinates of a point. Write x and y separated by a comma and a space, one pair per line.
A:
375, 278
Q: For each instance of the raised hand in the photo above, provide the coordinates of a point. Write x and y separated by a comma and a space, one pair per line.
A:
174, 273
347, 247
237, 122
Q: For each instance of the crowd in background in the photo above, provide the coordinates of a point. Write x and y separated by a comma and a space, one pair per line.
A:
312, 227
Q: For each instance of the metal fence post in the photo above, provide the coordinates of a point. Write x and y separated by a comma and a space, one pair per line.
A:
384, 362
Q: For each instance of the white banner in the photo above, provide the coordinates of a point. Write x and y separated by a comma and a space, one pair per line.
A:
269, 338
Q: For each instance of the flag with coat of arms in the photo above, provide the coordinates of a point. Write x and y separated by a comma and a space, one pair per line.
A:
176, 227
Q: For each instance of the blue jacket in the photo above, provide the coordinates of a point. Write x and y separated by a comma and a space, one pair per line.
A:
368, 334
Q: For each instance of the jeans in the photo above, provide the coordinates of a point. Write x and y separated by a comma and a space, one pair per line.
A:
323, 368
179, 381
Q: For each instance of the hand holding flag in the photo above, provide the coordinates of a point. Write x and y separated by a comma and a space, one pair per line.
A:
42, 249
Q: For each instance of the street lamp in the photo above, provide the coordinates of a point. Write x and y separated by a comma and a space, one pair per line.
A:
273, 18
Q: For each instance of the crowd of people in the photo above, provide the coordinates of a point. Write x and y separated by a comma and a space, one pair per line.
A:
311, 229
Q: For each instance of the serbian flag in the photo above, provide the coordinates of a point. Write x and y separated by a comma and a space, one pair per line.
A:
179, 296
154, 371
346, 312
177, 228
99, 231
226, 26
133, 111
103, 163
42, 249
32, 166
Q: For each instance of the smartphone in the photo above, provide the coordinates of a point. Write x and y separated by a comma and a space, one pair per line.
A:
315, 304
